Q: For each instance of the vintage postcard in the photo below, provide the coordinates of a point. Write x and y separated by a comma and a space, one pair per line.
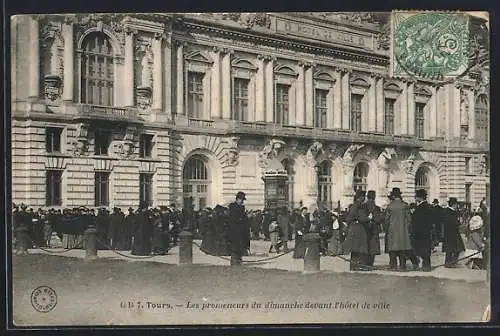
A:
250, 168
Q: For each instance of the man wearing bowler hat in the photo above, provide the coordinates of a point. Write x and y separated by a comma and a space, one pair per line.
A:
421, 231
453, 243
397, 237
239, 230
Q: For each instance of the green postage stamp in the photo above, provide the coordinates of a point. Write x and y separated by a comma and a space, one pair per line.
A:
431, 45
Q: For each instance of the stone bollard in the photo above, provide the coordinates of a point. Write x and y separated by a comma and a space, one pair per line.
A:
312, 255
185, 248
22, 240
91, 243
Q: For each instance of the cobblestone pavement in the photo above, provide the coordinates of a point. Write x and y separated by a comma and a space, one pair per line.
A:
259, 250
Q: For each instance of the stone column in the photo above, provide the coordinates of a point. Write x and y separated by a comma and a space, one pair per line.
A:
215, 92
128, 69
455, 111
69, 55
312, 179
167, 80
380, 105
300, 110
309, 95
180, 78
346, 101
227, 93
372, 105
337, 104
260, 110
433, 110
34, 60
157, 103
411, 108
330, 106
270, 90
404, 109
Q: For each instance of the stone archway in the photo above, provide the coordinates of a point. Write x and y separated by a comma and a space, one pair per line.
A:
427, 177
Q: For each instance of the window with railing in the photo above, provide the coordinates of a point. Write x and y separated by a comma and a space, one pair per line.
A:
419, 120
146, 188
422, 180
240, 99
101, 142
321, 106
282, 104
195, 94
53, 139
325, 183
389, 116
53, 184
97, 70
101, 187
356, 112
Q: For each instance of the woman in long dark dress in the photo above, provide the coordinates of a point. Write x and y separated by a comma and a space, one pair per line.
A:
301, 228
207, 231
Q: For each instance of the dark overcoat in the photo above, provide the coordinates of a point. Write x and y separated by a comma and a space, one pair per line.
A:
373, 226
284, 225
452, 240
238, 229
357, 234
397, 223
422, 222
302, 225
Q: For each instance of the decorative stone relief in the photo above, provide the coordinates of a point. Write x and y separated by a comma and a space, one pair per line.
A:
127, 146
232, 152
51, 61
111, 22
248, 20
348, 156
384, 161
408, 163
80, 145
273, 149
144, 72
464, 108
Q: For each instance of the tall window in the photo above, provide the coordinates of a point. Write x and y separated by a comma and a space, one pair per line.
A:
101, 185
468, 165
389, 116
195, 94
282, 104
146, 188
360, 181
467, 192
481, 118
422, 179
240, 109
321, 108
53, 187
419, 120
53, 140
196, 182
102, 141
97, 70
356, 112
145, 145
324, 184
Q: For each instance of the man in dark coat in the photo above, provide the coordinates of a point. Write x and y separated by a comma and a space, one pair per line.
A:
142, 235
357, 236
374, 218
397, 223
437, 223
115, 222
239, 229
453, 243
421, 231
302, 225
283, 220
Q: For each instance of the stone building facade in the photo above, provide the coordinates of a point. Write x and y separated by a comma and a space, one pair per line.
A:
113, 108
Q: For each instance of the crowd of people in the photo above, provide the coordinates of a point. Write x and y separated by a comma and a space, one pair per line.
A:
411, 231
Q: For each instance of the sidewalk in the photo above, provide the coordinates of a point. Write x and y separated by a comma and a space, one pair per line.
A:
259, 251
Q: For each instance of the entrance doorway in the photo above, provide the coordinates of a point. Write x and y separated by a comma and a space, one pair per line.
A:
196, 183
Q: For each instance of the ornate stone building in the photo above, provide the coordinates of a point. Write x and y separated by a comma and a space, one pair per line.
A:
110, 109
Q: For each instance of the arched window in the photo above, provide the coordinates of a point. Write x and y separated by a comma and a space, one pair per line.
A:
422, 178
325, 183
360, 181
196, 182
481, 118
97, 73
288, 165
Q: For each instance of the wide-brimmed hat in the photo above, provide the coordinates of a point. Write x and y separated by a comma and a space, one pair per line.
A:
421, 193
435, 201
396, 192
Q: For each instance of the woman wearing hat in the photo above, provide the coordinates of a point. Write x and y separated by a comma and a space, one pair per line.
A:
475, 240
453, 244
357, 236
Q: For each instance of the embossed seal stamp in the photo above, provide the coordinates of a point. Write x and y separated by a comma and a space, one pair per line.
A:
431, 45
43, 299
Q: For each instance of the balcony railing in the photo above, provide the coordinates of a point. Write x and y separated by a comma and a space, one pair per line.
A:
456, 144
107, 112
200, 123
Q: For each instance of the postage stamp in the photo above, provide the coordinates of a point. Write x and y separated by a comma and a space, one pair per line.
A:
431, 45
